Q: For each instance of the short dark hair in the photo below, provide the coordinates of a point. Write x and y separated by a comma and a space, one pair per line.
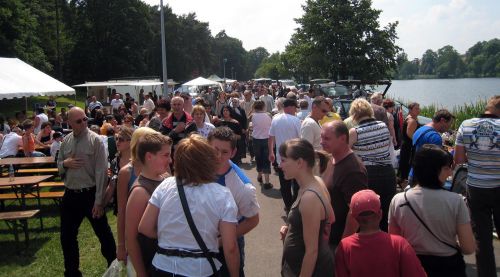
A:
427, 165
110, 117
164, 104
413, 105
45, 124
442, 114
28, 123
57, 135
152, 143
318, 100
223, 133
259, 105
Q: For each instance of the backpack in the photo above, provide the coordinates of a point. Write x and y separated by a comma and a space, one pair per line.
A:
414, 145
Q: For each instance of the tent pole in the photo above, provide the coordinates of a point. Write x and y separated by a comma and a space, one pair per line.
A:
26, 103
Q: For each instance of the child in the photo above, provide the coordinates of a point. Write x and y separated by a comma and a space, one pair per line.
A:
153, 151
29, 140
56, 144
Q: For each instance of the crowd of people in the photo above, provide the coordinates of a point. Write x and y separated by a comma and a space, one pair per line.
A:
170, 168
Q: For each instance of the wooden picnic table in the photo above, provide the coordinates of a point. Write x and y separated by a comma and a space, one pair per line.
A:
24, 185
27, 161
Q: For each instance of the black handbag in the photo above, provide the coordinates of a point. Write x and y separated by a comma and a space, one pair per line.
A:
192, 226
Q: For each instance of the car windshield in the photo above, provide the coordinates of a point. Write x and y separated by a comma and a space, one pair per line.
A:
336, 91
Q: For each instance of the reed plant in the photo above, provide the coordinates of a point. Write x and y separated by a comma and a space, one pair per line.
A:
461, 113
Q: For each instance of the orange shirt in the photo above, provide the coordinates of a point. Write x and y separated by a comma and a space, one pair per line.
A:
30, 146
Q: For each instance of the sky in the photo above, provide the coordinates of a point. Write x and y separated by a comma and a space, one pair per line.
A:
423, 24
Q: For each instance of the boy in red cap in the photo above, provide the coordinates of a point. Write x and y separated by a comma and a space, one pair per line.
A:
372, 252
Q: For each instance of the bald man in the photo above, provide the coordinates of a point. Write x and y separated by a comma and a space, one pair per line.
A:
344, 176
83, 165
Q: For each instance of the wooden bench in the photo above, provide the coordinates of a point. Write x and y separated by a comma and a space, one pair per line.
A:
51, 184
31, 171
54, 195
16, 220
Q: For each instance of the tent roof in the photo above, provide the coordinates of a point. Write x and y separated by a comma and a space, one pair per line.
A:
215, 78
200, 81
19, 79
135, 83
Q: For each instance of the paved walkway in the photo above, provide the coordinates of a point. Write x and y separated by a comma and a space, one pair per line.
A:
263, 244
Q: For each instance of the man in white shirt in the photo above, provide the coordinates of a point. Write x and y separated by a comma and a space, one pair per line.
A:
148, 103
268, 100
11, 143
116, 103
284, 126
310, 129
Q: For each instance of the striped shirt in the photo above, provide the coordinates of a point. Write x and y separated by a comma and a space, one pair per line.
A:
373, 143
481, 139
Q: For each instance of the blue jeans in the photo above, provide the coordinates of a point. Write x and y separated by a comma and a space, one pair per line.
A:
261, 152
35, 154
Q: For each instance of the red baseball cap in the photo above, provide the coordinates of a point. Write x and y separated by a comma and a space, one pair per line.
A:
364, 201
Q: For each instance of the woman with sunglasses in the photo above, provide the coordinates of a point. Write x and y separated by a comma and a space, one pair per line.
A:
432, 218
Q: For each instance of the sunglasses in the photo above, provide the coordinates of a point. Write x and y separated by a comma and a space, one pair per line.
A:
79, 121
325, 111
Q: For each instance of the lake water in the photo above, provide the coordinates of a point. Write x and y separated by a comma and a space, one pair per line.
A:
445, 92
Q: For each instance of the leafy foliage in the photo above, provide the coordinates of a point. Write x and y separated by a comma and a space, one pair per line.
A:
339, 38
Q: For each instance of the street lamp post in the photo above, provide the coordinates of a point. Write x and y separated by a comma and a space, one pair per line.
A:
232, 72
224, 60
163, 53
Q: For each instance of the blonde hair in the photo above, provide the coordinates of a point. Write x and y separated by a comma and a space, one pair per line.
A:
360, 108
195, 160
138, 133
198, 109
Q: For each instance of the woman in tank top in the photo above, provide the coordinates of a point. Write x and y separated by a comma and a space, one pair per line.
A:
410, 125
153, 151
128, 171
305, 249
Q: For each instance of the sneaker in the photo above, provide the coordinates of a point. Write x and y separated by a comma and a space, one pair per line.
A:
259, 179
268, 186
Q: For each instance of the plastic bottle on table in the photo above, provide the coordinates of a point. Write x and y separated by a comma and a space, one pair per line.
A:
11, 173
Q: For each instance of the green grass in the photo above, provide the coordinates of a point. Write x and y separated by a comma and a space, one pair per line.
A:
44, 255
11, 106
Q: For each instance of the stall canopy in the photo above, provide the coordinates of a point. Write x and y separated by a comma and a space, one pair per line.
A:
200, 81
215, 78
19, 79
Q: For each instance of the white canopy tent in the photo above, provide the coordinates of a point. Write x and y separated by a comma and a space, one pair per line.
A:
200, 81
19, 79
130, 86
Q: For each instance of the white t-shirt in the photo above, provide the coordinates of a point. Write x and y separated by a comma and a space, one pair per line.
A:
261, 123
54, 147
311, 131
43, 118
116, 103
209, 204
205, 130
269, 101
11, 143
149, 105
284, 127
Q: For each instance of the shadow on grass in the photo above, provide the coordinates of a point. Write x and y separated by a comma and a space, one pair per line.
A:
16, 253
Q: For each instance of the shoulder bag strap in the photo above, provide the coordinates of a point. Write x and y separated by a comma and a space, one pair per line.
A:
421, 135
425, 225
192, 226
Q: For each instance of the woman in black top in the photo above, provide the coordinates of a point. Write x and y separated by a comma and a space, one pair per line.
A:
410, 125
305, 250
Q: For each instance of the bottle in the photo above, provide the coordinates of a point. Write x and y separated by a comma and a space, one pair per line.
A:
11, 173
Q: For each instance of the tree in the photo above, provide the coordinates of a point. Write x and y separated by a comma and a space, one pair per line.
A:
449, 63
429, 63
231, 49
254, 58
18, 33
347, 36
273, 67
